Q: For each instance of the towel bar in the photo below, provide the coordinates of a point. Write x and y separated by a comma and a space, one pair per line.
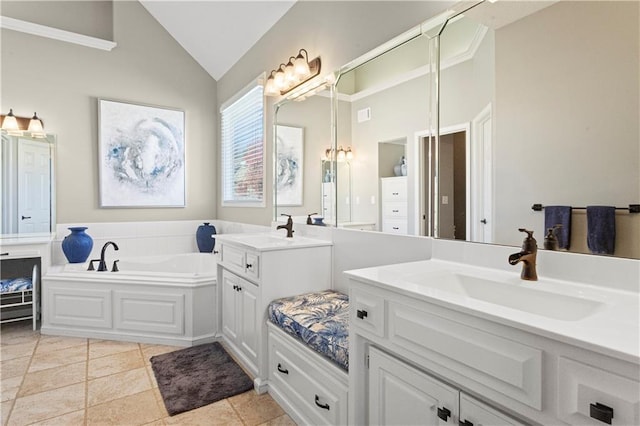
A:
633, 208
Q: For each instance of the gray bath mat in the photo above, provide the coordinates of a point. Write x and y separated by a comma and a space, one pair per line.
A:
193, 377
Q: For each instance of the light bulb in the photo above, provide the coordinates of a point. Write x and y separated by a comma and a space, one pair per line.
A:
270, 88
349, 154
278, 79
289, 73
301, 66
35, 124
341, 154
10, 122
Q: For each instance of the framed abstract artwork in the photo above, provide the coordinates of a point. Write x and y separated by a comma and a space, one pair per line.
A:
289, 165
141, 155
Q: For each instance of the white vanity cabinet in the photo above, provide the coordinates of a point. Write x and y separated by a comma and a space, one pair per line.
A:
255, 269
413, 356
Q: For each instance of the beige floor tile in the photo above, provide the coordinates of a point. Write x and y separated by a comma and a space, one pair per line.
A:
99, 348
256, 409
156, 423
150, 350
71, 419
55, 343
18, 332
152, 376
117, 386
53, 378
5, 409
46, 405
115, 363
9, 388
17, 350
160, 402
218, 413
137, 409
57, 358
280, 421
14, 367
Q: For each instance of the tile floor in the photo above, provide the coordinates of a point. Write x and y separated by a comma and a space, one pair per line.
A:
52, 380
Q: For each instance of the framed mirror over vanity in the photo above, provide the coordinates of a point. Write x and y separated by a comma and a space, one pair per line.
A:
494, 108
27, 179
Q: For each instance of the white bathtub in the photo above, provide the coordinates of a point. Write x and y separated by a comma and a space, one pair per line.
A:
186, 265
165, 299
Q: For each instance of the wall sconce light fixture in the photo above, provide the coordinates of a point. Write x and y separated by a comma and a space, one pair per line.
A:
19, 125
340, 155
288, 76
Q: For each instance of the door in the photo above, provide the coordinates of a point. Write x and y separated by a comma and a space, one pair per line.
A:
229, 308
402, 395
474, 412
34, 184
481, 222
248, 318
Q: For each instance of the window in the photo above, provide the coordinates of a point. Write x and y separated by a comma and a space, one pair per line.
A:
243, 148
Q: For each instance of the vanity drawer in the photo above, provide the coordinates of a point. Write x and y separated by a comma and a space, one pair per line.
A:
366, 311
395, 226
233, 256
586, 393
394, 210
394, 189
317, 395
508, 367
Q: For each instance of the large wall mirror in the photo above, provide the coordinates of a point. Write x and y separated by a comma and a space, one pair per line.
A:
544, 110
28, 185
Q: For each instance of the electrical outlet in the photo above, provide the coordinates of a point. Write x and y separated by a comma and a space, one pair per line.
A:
445, 199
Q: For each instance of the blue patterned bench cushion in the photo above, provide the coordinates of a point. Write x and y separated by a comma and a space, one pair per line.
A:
320, 320
15, 284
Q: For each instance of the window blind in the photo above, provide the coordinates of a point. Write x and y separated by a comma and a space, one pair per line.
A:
243, 148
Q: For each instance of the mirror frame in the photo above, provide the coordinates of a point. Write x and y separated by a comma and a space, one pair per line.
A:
51, 139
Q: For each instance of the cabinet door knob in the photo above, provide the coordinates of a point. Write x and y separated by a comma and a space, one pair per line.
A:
249, 266
484, 221
325, 406
26, 217
361, 314
282, 370
444, 413
239, 288
601, 412
465, 423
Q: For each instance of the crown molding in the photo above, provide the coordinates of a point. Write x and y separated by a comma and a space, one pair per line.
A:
55, 33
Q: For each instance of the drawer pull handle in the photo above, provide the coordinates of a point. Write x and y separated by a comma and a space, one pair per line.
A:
361, 314
325, 406
394, 193
235, 287
239, 288
444, 413
26, 217
282, 370
395, 211
601, 412
395, 227
249, 266
465, 423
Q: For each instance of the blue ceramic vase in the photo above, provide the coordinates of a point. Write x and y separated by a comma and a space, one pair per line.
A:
77, 245
204, 237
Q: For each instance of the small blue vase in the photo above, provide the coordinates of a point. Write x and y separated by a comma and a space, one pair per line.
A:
77, 245
204, 238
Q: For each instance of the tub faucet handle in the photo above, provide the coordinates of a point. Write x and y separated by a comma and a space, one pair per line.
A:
91, 268
115, 266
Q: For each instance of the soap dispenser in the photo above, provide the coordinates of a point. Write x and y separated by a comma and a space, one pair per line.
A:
550, 240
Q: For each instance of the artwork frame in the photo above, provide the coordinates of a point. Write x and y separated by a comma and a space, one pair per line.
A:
289, 166
141, 155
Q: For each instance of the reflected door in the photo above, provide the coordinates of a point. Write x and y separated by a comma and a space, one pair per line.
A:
34, 184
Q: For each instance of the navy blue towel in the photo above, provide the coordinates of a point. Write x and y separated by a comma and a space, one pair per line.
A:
601, 229
559, 215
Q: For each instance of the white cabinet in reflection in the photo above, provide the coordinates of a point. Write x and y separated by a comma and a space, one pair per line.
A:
394, 206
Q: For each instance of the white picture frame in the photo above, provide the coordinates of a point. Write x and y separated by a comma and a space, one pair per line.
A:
141, 155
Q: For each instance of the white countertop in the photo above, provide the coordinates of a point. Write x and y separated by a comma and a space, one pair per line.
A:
610, 323
271, 241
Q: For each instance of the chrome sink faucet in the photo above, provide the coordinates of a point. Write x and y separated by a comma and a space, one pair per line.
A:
288, 226
102, 266
527, 256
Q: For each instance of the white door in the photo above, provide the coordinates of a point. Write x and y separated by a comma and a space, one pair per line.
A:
34, 184
401, 395
481, 178
474, 412
248, 295
229, 308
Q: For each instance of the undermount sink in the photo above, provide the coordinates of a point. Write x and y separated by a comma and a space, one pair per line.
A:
536, 301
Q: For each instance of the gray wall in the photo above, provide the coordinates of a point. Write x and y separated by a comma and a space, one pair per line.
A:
338, 32
62, 81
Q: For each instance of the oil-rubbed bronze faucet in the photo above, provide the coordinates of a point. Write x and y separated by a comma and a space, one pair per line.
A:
527, 256
288, 226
